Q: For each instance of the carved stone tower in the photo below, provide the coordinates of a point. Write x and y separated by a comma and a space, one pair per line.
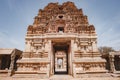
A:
61, 41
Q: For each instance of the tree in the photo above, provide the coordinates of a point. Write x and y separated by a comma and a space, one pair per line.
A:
105, 54
105, 50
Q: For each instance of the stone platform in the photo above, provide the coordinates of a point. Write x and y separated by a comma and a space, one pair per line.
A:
106, 76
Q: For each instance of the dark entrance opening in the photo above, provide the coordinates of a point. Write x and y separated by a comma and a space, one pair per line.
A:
60, 58
5, 62
117, 62
61, 29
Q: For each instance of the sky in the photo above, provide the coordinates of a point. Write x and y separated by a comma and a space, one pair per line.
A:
16, 15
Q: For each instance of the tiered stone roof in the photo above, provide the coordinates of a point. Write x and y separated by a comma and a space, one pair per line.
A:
66, 15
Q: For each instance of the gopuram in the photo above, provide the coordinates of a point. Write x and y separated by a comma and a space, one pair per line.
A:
61, 41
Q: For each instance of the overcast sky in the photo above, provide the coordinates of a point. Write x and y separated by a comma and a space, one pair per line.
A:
16, 15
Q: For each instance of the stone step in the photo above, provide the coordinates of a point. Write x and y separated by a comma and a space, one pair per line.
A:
61, 77
30, 76
94, 75
3, 74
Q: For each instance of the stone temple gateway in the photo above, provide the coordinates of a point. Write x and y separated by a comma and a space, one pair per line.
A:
61, 41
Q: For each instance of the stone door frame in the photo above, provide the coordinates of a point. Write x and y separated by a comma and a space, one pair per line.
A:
69, 58
56, 57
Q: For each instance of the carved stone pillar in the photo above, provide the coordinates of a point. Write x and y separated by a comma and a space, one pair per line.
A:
71, 57
49, 50
51, 56
111, 58
74, 71
11, 69
48, 70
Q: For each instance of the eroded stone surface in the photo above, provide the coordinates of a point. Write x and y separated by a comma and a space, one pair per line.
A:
64, 29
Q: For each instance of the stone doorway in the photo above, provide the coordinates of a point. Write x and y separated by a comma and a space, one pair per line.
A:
61, 58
